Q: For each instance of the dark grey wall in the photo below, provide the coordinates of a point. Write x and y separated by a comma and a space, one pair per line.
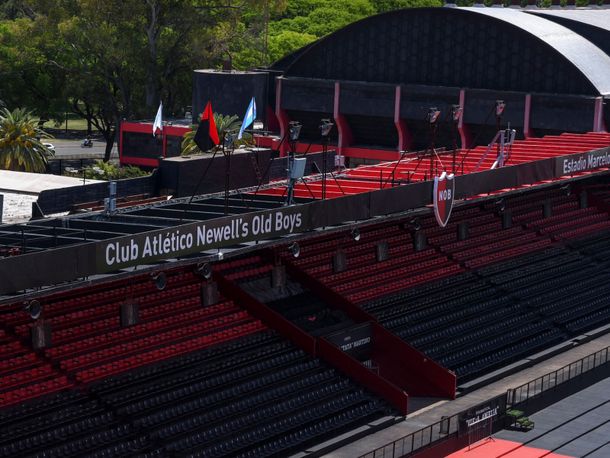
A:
61, 200
229, 92
181, 176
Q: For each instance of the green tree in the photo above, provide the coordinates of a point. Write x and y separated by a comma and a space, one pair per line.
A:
304, 21
27, 71
389, 5
21, 148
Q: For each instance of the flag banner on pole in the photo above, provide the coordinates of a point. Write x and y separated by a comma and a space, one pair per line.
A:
207, 134
249, 117
158, 124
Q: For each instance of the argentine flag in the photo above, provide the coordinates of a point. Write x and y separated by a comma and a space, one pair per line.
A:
249, 117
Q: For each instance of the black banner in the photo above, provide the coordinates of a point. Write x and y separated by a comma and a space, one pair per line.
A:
489, 411
355, 341
192, 238
575, 163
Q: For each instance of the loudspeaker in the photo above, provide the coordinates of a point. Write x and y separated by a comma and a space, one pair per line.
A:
41, 335
547, 209
583, 200
507, 219
339, 261
278, 276
209, 293
130, 314
382, 251
419, 241
462, 230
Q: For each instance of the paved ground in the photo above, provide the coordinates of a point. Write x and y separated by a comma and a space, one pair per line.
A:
65, 149
435, 410
578, 425
19, 193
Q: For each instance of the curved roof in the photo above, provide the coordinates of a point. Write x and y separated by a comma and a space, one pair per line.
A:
596, 18
487, 48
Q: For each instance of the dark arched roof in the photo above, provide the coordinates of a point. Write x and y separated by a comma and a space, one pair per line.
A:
489, 48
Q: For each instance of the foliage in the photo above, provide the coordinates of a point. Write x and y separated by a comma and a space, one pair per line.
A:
107, 60
224, 124
21, 148
304, 21
108, 171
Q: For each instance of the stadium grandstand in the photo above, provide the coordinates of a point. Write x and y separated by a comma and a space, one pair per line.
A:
412, 262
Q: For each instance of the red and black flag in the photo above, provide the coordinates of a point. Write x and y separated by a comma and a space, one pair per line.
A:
206, 136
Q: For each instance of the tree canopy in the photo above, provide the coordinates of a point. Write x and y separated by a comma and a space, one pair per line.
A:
107, 60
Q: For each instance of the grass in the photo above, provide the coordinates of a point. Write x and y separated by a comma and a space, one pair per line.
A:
73, 124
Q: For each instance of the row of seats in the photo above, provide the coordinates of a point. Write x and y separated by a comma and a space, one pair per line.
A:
257, 388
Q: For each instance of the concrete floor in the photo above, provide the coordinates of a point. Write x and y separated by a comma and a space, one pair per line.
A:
430, 411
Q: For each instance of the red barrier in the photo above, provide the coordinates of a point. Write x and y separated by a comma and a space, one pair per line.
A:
270, 317
355, 370
410, 368
398, 361
330, 296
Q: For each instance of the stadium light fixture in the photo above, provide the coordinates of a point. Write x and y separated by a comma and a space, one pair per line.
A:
433, 115
501, 205
500, 106
294, 249
34, 308
355, 234
160, 280
456, 113
294, 130
204, 269
415, 224
325, 127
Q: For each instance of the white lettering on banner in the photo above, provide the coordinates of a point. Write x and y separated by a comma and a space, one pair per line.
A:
481, 417
287, 222
592, 160
355, 344
198, 238
116, 253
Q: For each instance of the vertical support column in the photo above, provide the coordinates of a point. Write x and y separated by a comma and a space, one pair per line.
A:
404, 136
345, 137
462, 126
282, 117
598, 117
527, 132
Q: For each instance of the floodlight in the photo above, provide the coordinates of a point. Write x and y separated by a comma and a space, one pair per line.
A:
33, 308
294, 130
325, 127
160, 280
500, 105
355, 233
501, 205
294, 249
204, 269
415, 224
456, 113
433, 114
229, 139
567, 189
220, 255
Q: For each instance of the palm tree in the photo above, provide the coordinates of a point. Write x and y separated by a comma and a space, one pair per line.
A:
223, 124
21, 148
